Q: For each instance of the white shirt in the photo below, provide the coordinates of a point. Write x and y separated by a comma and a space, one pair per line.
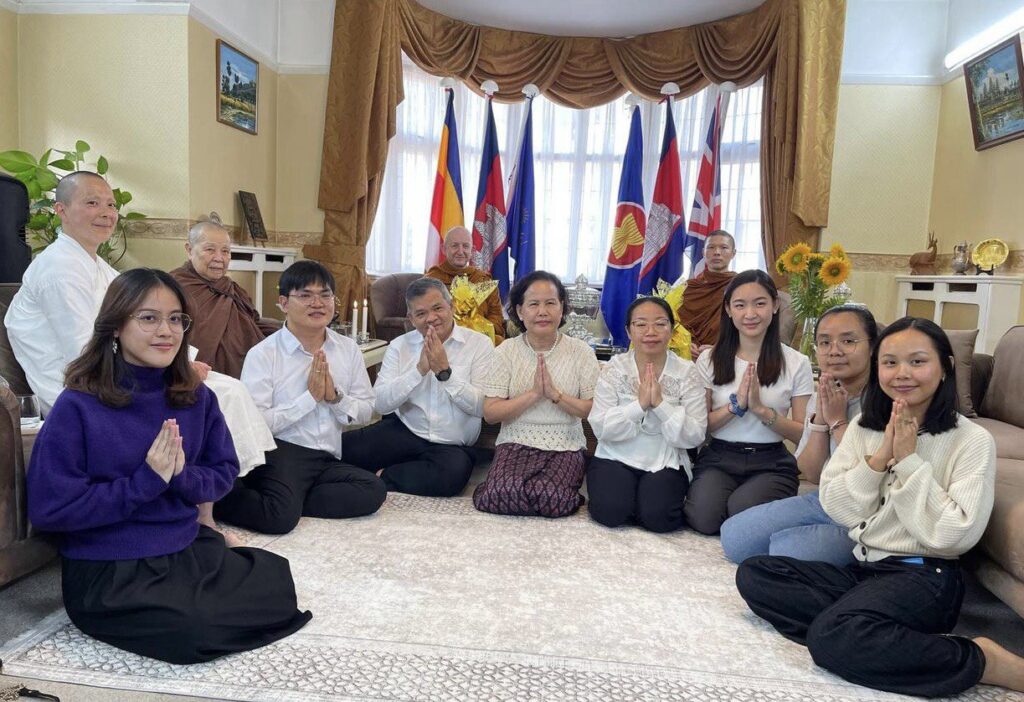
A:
276, 372
445, 412
852, 410
51, 316
651, 439
794, 381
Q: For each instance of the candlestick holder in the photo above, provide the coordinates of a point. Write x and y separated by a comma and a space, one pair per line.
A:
363, 338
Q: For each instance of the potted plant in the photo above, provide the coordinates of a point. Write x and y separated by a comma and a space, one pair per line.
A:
813, 282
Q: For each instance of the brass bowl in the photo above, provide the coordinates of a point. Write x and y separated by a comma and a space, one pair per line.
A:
990, 253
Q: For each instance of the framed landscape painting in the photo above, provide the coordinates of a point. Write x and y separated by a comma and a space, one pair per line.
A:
994, 95
237, 88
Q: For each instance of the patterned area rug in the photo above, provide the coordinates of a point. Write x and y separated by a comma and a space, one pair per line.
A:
431, 600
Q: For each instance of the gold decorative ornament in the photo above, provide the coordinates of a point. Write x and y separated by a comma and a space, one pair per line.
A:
467, 304
990, 253
679, 343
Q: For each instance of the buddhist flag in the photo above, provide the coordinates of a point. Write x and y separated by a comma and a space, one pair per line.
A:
446, 207
522, 235
706, 214
490, 242
663, 244
623, 271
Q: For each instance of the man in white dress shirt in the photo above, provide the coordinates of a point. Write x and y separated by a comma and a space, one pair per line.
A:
309, 383
430, 389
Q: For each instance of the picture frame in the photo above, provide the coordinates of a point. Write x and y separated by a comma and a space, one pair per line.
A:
995, 96
252, 216
238, 77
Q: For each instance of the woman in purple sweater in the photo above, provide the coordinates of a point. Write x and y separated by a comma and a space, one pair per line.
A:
130, 448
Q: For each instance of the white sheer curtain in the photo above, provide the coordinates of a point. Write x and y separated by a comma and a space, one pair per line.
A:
577, 163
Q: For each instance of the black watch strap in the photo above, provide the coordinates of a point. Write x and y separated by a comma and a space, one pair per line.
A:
443, 375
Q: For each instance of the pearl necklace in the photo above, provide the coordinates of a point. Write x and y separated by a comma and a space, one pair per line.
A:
526, 341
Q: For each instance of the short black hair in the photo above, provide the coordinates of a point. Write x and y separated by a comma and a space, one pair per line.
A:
518, 293
659, 301
302, 273
867, 320
876, 406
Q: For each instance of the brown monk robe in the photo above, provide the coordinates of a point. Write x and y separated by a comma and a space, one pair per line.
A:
701, 310
446, 272
225, 322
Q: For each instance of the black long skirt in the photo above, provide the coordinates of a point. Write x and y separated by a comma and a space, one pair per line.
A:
195, 605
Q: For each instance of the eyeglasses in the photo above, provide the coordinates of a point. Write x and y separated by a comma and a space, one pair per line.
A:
306, 298
178, 322
661, 325
844, 345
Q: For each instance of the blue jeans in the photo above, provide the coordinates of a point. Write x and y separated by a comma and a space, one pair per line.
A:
796, 527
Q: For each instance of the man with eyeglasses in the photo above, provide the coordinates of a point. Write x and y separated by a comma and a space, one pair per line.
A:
226, 322
309, 383
458, 251
430, 391
702, 301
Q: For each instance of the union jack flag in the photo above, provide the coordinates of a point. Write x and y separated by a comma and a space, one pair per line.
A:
706, 215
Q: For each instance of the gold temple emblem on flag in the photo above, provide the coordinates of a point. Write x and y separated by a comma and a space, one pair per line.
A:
467, 304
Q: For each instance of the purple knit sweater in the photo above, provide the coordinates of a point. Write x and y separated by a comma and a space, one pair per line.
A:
88, 478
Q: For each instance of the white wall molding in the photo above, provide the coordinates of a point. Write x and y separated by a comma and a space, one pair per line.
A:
38, 7
9, 5
232, 38
878, 79
299, 69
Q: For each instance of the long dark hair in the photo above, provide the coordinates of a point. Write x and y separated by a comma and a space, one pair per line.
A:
518, 293
876, 406
723, 355
101, 372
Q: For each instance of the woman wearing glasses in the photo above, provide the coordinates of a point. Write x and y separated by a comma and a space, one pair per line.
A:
129, 449
797, 526
648, 409
757, 392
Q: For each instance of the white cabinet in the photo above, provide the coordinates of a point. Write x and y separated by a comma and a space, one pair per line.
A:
264, 267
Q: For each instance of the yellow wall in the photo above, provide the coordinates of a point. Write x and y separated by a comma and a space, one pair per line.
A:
302, 100
976, 194
125, 94
222, 159
8, 80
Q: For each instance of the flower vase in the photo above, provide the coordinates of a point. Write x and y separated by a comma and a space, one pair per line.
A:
807, 346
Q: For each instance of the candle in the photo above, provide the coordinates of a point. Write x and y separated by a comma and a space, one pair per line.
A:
355, 319
365, 310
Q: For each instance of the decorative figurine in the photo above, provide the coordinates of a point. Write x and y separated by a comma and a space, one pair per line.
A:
923, 262
584, 303
961, 258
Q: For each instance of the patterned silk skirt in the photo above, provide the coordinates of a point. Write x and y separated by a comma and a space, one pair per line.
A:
528, 481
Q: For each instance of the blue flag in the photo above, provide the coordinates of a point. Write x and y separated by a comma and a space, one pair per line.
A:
623, 271
522, 239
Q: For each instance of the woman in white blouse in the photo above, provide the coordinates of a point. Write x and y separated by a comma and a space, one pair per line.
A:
540, 389
649, 407
757, 392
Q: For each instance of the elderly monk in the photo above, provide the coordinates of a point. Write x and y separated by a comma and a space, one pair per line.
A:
702, 302
227, 324
458, 248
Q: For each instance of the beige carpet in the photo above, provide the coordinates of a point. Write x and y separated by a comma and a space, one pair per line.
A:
431, 600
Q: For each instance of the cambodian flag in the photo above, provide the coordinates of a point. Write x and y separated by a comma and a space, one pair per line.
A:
446, 207
706, 215
623, 271
522, 236
490, 242
663, 243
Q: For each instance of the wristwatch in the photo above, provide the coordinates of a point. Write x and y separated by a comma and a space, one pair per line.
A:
337, 397
443, 375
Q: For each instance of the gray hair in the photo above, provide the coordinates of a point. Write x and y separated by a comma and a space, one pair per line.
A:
68, 184
421, 286
199, 229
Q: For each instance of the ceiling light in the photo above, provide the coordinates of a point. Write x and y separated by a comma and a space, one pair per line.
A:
1006, 27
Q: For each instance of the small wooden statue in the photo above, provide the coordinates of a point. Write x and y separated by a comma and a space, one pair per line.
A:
923, 262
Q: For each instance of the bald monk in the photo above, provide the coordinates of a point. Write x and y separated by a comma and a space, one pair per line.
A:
702, 302
458, 248
227, 324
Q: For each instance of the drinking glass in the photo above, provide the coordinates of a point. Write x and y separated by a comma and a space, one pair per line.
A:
28, 405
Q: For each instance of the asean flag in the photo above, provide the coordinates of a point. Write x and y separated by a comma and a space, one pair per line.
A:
490, 239
623, 270
663, 243
446, 206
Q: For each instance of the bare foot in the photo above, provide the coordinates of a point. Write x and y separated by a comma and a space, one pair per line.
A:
206, 519
230, 540
1002, 668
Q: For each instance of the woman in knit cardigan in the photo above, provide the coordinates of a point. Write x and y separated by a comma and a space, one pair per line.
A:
130, 448
913, 482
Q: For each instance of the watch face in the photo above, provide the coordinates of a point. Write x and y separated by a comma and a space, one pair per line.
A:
445, 374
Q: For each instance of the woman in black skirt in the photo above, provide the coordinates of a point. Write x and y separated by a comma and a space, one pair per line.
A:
130, 448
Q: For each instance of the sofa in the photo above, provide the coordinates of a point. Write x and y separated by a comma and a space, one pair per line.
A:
997, 394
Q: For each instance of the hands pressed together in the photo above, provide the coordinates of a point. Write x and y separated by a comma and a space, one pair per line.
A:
433, 357
900, 439
832, 400
166, 456
649, 392
543, 385
748, 395
320, 382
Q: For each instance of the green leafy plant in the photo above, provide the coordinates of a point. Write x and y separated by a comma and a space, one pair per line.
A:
40, 176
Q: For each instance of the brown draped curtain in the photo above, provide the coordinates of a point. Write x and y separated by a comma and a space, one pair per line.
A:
795, 46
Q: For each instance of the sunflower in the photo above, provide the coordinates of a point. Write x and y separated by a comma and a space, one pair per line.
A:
837, 251
796, 258
835, 271
780, 266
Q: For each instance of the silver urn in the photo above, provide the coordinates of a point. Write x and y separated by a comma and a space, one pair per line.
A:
584, 303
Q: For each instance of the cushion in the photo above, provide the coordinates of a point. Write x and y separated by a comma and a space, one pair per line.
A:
1003, 538
1003, 398
1009, 438
963, 356
10, 369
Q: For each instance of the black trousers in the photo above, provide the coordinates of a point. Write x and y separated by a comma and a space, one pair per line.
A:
880, 624
620, 494
729, 478
295, 482
411, 464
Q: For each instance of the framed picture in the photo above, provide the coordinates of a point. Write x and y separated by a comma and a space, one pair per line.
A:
253, 218
238, 79
994, 95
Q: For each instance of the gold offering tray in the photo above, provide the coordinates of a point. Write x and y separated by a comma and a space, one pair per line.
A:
990, 253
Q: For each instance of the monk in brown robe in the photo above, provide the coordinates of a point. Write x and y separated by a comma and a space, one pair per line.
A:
226, 322
702, 301
458, 248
